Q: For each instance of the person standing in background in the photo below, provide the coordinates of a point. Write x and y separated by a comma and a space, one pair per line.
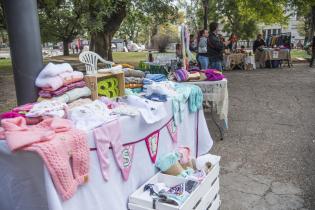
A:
215, 47
258, 43
233, 43
202, 56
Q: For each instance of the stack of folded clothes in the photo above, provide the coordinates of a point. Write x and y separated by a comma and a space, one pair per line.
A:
134, 79
60, 82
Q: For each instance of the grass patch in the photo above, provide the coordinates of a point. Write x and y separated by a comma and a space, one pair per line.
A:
132, 58
299, 54
5, 66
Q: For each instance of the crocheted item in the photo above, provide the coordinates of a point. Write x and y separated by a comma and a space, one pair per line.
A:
195, 98
181, 75
64, 150
9, 115
167, 161
184, 154
213, 75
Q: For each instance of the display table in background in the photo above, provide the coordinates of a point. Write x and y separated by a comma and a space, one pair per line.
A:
269, 54
234, 60
216, 97
26, 184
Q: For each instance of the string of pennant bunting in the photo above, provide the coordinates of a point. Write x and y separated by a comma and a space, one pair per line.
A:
152, 142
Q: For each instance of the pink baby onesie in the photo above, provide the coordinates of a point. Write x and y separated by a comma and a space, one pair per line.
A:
105, 136
64, 149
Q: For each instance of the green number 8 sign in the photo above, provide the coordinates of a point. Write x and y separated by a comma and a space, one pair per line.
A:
108, 87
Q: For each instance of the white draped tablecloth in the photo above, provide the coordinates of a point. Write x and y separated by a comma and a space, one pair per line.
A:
216, 92
26, 184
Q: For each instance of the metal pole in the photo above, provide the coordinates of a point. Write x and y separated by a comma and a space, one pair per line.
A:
25, 46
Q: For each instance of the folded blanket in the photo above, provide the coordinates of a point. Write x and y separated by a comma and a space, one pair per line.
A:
134, 80
133, 85
114, 69
156, 77
52, 70
62, 90
54, 76
133, 73
73, 95
54, 83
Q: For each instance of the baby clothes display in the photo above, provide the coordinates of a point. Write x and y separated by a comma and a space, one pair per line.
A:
63, 149
48, 108
174, 195
54, 76
150, 111
73, 95
105, 136
89, 116
59, 82
162, 88
114, 69
79, 102
119, 108
179, 102
62, 90
133, 73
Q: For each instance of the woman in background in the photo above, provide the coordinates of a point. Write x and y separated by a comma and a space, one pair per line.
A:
202, 56
233, 43
215, 47
258, 43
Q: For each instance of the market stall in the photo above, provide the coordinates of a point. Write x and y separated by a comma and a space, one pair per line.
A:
216, 98
277, 50
243, 61
266, 56
25, 183
94, 154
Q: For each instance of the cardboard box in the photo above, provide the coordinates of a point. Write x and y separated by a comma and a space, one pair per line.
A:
110, 85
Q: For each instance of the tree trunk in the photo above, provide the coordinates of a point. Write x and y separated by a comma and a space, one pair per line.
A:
154, 32
103, 39
65, 47
205, 15
92, 42
99, 45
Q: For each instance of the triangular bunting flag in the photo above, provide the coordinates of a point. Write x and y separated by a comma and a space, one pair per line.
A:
152, 142
127, 156
172, 129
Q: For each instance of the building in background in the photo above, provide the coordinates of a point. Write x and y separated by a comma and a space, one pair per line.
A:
292, 28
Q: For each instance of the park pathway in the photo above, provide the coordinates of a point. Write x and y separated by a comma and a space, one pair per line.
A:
268, 154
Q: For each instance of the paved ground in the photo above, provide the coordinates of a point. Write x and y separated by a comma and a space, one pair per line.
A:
268, 154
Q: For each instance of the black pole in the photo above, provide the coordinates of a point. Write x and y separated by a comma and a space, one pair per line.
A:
25, 46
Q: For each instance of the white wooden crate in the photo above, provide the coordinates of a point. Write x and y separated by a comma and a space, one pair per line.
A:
205, 196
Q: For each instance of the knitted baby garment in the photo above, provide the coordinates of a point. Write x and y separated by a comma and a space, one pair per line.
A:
64, 149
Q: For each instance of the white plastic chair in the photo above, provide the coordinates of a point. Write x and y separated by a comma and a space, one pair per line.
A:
90, 59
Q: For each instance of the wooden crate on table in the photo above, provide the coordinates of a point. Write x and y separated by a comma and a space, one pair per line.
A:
110, 85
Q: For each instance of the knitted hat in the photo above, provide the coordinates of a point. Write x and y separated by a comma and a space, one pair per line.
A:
181, 75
